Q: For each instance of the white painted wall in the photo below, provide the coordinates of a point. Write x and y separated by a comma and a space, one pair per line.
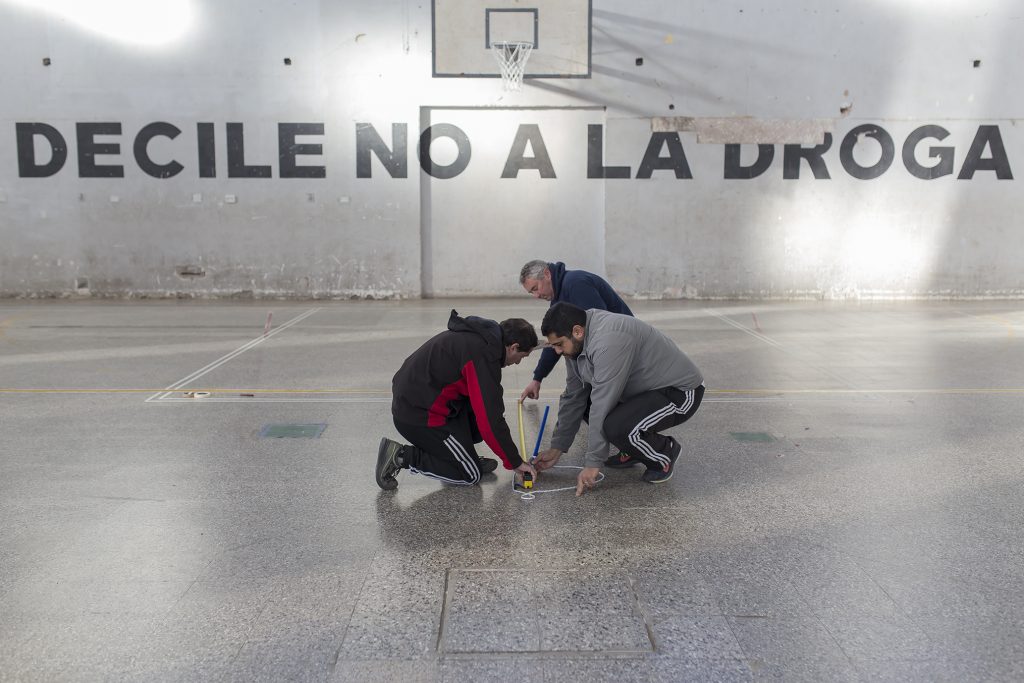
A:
731, 65
480, 224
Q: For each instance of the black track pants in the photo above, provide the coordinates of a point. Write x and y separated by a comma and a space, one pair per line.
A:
634, 425
445, 453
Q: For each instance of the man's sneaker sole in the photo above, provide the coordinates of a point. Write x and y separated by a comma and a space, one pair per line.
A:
658, 476
617, 463
652, 476
385, 479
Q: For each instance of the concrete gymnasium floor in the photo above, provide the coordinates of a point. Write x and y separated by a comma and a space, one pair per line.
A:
848, 505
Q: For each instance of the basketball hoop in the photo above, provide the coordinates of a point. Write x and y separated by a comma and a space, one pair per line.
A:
512, 58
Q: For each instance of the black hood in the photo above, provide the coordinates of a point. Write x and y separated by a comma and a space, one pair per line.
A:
488, 329
557, 275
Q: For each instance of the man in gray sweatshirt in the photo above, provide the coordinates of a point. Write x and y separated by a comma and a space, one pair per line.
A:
639, 384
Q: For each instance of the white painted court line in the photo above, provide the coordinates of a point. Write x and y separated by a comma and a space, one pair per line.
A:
768, 340
739, 326
162, 395
258, 399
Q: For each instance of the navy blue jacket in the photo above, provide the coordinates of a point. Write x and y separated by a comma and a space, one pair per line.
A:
579, 288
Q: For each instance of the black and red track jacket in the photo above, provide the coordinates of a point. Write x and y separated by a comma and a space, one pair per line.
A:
460, 364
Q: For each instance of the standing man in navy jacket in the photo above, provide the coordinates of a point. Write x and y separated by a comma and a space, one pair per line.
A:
447, 397
552, 282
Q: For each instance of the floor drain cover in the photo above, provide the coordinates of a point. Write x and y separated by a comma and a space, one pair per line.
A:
293, 431
759, 437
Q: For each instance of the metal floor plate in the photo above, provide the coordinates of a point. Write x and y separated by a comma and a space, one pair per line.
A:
293, 431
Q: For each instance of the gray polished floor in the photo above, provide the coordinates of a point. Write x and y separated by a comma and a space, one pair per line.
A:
848, 506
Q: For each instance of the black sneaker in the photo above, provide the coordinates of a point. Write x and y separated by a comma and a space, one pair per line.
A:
389, 462
656, 476
486, 465
620, 461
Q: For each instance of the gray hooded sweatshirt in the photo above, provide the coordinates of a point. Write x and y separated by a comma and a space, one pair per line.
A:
621, 358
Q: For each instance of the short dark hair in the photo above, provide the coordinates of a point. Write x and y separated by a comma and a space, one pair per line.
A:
561, 318
518, 331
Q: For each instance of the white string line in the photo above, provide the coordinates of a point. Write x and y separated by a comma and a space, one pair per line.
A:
225, 358
530, 495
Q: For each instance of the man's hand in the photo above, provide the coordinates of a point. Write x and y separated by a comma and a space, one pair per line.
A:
547, 459
527, 467
522, 469
532, 390
586, 479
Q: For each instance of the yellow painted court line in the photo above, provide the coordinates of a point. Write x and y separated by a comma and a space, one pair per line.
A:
866, 391
212, 391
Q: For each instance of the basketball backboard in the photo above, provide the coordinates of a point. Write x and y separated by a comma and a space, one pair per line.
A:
464, 32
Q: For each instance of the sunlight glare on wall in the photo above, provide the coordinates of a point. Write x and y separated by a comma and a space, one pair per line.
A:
886, 249
150, 23
865, 255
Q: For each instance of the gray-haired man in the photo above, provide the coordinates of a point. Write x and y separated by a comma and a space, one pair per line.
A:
552, 282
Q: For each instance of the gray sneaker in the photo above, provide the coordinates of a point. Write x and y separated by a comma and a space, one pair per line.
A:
389, 462
657, 476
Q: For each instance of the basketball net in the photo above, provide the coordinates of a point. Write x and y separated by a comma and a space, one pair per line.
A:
512, 60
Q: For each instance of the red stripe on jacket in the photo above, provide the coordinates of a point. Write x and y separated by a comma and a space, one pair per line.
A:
468, 384
437, 416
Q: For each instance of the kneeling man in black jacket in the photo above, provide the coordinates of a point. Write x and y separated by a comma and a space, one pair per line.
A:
447, 396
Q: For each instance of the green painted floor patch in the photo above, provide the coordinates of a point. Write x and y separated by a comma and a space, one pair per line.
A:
758, 437
293, 431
